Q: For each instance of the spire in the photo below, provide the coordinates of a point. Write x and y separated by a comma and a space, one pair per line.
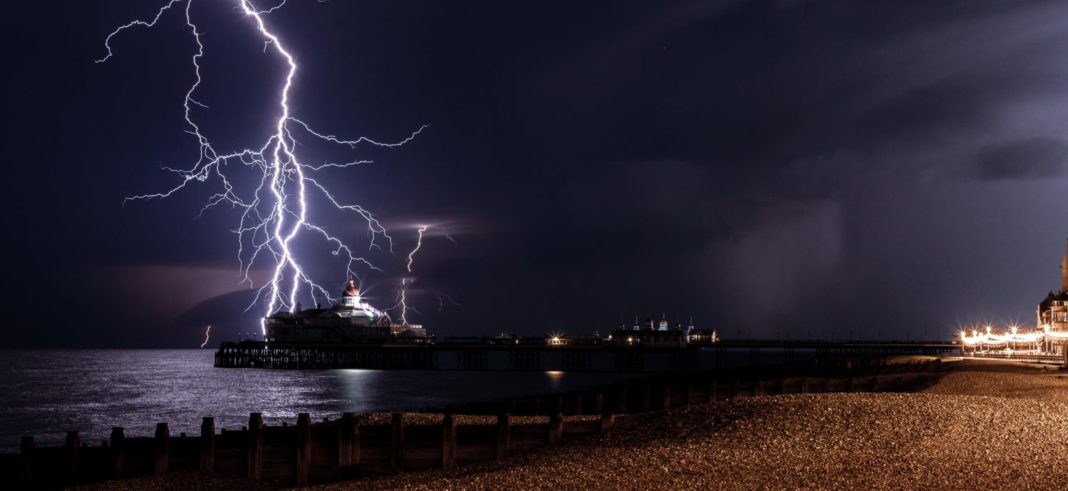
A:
350, 289
1064, 270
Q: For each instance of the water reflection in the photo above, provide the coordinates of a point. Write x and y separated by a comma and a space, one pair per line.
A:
46, 393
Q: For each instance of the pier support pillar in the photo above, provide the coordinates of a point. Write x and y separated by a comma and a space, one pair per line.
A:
207, 444
598, 402
304, 448
163, 448
448, 441
118, 451
255, 446
665, 402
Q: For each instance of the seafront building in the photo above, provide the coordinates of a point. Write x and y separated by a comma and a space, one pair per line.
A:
1050, 334
1053, 310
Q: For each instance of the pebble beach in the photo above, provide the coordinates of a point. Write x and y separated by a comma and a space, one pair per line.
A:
984, 425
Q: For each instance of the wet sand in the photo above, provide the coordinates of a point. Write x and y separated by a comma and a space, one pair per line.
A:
987, 425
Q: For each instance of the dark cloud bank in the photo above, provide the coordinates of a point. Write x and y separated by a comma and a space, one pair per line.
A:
772, 168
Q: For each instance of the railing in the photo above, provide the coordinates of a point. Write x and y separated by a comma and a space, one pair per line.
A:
1029, 357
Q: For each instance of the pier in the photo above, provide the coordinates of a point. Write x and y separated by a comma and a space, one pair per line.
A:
575, 358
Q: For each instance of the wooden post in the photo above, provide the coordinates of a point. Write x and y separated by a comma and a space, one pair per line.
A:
504, 434
665, 402
608, 420
255, 446
598, 402
118, 449
621, 401
689, 394
26, 459
207, 444
70, 456
577, 398
356, 439
803, 386
346, 439
448, 441
304, 448
396, 442
556, 427
163, 448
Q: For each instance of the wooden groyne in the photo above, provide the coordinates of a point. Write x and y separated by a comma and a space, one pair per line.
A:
356, 445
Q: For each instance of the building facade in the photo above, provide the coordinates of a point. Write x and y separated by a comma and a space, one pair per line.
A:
1052, 312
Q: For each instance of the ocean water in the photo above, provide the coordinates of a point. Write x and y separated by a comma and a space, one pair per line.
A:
46, 393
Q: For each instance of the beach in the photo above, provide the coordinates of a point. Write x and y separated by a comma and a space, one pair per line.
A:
986, 425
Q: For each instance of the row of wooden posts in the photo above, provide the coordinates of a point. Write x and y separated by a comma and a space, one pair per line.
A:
352, 446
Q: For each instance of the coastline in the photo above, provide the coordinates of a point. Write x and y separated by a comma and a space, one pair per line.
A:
983, 425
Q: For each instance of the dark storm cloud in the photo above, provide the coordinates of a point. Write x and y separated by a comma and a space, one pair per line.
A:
1033, 158
823, 167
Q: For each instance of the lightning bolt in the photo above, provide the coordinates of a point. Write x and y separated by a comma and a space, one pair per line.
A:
409, 280
207, 336
418, 245
276, 212
402, 297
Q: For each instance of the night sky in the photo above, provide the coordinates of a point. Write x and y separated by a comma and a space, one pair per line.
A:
793, 168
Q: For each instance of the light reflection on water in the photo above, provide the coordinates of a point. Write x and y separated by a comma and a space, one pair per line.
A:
46, 393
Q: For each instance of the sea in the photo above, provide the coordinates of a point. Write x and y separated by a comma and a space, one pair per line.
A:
46, 393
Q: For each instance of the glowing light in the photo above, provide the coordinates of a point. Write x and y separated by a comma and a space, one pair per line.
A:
1012, 340
207, 336
276, 211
